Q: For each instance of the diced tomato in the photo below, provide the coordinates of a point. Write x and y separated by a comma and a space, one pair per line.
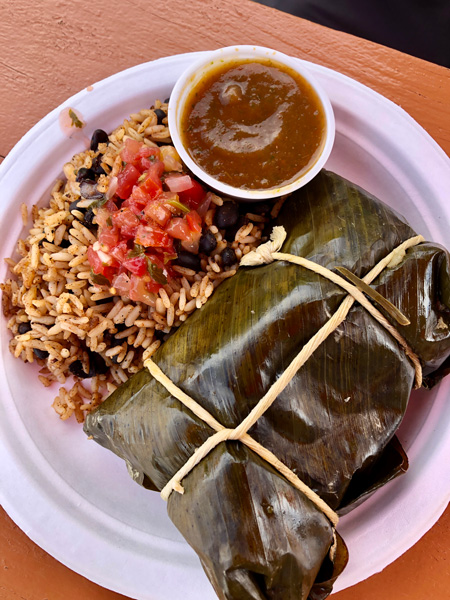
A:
95, 260
179, 229
157, 168
127, 221
138, 154
139, 197
153, 236
111, 206
188, 230
152, 183
194, 221
136, 264
134, 207
130, 150
152, 153
98, 265
102, 217
148, 217
158, 212
120, 251
157, 260
109, 237
153, 286
139, 291
126, 179
153, 156
193, 196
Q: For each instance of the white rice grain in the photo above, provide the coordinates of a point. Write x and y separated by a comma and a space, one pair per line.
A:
170, 315
164, 297
131, 318
182, 299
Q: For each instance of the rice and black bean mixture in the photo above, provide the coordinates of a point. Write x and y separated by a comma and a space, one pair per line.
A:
73, 324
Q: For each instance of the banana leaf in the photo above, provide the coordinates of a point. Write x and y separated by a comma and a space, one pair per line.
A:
334, 425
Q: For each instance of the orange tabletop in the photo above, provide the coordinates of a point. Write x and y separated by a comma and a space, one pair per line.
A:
52, 49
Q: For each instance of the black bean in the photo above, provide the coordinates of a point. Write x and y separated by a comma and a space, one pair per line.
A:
159, 335
256, 208
97, 366
24, 327
89, 191
98, 137
109, 338
40, 353
76, 368
228, 257
160, 114
88, 218
163, 337
188, 260
208, 243
167, 100
230, 232
226, 215
64, 243
267, 230
74, 206
84, 173
96, 165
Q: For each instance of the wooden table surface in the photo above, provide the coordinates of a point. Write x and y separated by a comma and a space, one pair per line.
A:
52, 49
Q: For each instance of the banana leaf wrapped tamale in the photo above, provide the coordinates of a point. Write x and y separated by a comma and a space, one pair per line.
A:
334, 424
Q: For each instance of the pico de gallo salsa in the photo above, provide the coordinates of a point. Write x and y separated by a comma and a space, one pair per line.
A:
139, 225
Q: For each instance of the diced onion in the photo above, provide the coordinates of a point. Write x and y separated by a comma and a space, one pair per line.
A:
105, 258
179, 183
112, 188
122, 285
203, 207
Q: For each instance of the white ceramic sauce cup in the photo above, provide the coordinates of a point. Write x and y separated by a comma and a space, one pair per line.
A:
198, 70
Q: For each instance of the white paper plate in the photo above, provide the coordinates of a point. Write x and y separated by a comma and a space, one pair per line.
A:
74, 498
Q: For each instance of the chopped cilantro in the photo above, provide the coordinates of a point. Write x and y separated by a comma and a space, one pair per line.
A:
156, 273
179, 205
99, 202
76, 122
137, 250
99, 279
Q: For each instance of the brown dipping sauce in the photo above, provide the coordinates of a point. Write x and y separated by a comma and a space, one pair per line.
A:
254, 124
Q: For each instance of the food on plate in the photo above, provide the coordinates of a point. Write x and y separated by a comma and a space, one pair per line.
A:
253, 124
333, 423
126, 249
